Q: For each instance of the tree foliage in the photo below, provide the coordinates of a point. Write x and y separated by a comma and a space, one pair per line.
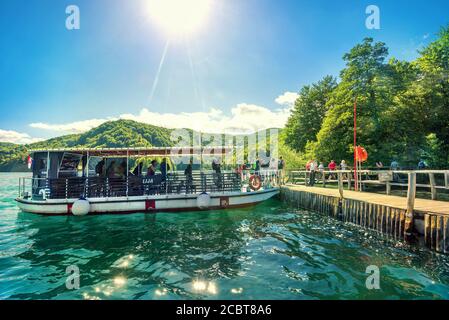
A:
402, 108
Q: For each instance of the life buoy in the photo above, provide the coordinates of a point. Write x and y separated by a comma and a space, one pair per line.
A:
255, 182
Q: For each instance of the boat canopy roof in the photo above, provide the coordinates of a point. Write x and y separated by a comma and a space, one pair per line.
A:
141, 152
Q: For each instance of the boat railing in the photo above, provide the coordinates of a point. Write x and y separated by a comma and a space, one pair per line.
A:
173, 183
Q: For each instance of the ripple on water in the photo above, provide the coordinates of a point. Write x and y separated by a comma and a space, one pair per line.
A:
269, 251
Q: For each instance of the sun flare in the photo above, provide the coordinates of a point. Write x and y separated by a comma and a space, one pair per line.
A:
179, 17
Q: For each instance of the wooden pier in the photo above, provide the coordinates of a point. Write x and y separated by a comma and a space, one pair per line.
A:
405, 219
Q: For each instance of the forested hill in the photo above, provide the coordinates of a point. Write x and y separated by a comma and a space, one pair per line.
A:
114, 134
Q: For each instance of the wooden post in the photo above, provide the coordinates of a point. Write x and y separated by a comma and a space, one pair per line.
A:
340, 184
388, 184
411, 194
349, 181
446, 179
433, 189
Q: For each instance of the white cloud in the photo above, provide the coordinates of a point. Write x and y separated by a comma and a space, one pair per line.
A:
243, 118
73, 127
287, 99
16, 137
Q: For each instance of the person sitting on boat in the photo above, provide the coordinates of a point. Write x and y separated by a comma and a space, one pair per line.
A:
152, 168
164, 167
189, 178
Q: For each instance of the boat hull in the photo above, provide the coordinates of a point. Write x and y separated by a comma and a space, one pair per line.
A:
157, 203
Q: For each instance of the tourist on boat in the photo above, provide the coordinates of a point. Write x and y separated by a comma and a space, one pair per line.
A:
152, 168
99, 168
110, 171
121, 170
217, 168
138, 170
257, 166
189, 177
164, 167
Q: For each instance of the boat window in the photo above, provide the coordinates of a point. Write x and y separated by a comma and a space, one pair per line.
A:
70, 165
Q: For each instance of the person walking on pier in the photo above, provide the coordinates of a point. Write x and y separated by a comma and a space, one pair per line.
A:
313, 167
332, 167
421, 165
281, 167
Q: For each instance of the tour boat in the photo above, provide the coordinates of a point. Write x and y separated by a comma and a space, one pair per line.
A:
107, 181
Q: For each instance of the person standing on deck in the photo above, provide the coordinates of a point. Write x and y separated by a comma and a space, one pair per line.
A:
152, 169
257, 166
164, 168
138, 170
217, 168
99, 168
110, 172
189, 177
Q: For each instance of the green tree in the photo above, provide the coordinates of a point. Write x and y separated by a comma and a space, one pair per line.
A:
308, 114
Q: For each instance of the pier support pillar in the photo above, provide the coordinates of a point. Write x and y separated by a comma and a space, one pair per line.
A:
409, 218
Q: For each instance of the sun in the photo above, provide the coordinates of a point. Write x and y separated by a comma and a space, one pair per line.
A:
179, 17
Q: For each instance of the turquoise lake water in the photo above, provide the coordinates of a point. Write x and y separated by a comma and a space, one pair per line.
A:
266, 252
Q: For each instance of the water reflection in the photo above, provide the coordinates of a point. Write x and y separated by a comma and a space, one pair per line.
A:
163, 251
266, 252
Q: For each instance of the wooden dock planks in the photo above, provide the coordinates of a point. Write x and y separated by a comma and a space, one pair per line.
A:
383, 213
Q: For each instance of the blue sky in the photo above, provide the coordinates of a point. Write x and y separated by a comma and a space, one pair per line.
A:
248, 53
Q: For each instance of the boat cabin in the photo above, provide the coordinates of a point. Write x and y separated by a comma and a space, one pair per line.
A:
113, 172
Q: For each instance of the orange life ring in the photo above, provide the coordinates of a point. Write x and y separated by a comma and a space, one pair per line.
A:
255, 183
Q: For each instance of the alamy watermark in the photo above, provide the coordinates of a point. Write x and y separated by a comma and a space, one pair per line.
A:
72, 282
373, 20
73, 21
373, 280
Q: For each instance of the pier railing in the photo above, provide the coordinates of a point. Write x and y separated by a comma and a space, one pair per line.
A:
429, 180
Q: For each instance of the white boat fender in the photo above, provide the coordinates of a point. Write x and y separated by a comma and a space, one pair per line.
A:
203, 200
81, 207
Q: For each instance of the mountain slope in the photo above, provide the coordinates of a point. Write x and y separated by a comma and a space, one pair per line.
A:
113, 134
